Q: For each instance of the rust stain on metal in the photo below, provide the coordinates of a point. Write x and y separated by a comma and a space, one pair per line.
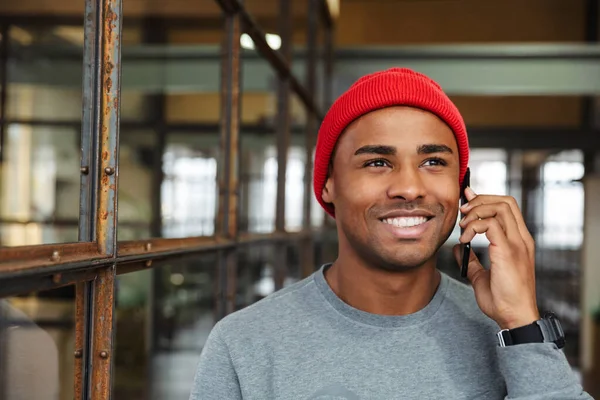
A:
108, 84
104, 215
104, 286
110, 24
116, 102
105, 155
108, 66
79, 338
13, 259
105, 180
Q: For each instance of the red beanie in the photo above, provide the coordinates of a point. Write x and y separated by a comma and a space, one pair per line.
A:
392, 87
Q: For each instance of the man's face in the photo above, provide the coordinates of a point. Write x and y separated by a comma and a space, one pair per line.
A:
395, 188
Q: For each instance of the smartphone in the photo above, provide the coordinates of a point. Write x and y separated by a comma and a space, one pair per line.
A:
466, 248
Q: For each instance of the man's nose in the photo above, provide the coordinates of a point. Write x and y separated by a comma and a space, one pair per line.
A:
407, 184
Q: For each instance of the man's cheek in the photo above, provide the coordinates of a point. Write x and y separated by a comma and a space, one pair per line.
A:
357, 188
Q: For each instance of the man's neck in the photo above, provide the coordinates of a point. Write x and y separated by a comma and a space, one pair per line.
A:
382, 292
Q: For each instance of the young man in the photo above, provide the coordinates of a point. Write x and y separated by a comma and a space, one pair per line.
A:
381, 322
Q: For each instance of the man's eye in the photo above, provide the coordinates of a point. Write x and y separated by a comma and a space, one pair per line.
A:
376, 163
435, 162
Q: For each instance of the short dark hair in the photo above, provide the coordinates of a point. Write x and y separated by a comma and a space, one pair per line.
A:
330, 166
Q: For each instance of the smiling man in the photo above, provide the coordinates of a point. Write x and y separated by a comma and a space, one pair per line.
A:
381, 322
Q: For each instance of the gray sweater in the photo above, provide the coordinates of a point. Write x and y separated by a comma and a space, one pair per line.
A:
303, 342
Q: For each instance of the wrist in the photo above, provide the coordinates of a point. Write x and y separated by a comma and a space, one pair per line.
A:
520, 321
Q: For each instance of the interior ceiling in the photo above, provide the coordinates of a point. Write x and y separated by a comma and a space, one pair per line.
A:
139, 8
361, 22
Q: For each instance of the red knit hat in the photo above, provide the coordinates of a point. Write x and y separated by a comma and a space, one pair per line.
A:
392, 87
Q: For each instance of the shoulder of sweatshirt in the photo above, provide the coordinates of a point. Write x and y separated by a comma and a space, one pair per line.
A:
275, 309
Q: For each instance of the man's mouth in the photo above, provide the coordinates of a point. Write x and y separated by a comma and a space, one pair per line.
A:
406, 222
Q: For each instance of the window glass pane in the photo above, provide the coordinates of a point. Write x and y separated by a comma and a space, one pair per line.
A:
164, 316
563, 201
45, 72
189, 191
256, 271
294, 188
42, 102
258, 172
136, 153
255, 274
317, 213
37, 334
39, 185
259, 162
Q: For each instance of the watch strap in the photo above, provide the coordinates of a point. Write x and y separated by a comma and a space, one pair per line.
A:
524, 334
547, 329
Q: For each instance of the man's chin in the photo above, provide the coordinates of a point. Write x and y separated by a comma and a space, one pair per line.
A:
403, 264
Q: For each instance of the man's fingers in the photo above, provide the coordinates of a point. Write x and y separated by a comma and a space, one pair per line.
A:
500, 211
490, 227
514, 207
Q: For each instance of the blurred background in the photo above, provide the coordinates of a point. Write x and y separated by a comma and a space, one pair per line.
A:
524, 73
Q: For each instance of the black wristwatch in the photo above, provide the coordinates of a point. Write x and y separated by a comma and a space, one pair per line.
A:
547, 329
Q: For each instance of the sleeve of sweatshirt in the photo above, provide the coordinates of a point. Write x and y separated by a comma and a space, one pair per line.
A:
215, 376
536, 371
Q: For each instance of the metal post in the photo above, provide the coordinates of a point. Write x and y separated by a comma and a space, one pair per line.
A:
592, 32
154, 32
88, 193
328, 222
283, 139
4, 48
307, 254
80, 339
228, 171
107, 62
328, 76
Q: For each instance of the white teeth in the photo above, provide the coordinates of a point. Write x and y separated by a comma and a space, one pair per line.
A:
405, 222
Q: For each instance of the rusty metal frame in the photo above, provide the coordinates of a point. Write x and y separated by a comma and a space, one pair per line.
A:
328, 222
93, 262
88, 195
108, 62
128, 252
307, 245
283, 138
4, 49
227, 222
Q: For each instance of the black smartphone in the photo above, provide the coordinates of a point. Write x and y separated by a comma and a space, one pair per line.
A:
466, 248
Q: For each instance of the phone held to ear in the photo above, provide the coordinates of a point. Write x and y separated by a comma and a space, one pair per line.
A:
466, 248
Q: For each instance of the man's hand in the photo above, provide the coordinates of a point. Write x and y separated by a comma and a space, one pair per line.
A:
505, 292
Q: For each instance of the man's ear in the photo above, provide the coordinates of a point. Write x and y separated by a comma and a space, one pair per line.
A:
328, 194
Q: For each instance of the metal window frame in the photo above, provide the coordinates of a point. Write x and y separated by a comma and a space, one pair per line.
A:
93, 263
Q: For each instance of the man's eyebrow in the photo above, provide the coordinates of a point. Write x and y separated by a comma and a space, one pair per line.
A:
376, 149
433, 148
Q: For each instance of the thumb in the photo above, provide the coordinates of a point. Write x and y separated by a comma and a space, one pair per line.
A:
476, 273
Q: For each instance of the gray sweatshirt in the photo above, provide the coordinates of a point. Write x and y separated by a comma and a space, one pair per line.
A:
303, 342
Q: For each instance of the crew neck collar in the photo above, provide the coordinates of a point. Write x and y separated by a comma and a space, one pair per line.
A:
385, 321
